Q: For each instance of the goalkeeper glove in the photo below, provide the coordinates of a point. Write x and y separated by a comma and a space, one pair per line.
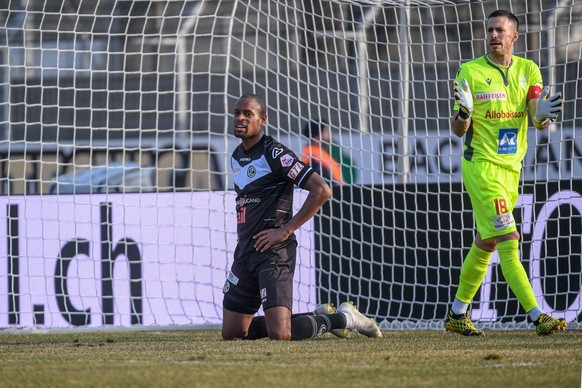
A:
464, 99
548, 107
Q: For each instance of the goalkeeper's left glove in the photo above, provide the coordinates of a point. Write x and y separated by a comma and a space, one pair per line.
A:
548, 107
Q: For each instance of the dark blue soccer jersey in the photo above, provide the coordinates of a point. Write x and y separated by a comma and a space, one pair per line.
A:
264, 179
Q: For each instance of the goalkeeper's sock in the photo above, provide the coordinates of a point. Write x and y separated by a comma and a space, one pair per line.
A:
515, 274
459, 307
472, 274
534, 314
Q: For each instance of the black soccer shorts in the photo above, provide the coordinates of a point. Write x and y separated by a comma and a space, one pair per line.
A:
261, 278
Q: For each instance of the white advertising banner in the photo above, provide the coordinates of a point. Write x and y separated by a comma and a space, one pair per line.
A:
121, 260
435, 156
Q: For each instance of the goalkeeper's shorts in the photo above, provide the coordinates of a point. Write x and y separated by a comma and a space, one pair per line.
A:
493, 191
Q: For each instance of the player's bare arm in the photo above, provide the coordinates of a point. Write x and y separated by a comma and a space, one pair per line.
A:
319, 193
459, 127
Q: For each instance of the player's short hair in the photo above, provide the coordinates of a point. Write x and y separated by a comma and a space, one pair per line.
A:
507, 14
259, 100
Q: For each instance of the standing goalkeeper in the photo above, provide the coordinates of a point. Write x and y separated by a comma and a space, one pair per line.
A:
492, 96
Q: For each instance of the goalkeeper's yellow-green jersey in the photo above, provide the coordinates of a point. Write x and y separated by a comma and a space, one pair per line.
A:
498, 130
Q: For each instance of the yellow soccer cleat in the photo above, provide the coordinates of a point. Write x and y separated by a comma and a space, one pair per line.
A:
462, 324
546, 325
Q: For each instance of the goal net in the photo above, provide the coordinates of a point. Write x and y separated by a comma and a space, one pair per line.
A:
116, 134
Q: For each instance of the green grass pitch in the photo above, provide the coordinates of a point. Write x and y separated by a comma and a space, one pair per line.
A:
200, 358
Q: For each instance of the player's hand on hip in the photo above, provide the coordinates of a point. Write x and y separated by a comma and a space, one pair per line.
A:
265, 239
548, 108
464, 98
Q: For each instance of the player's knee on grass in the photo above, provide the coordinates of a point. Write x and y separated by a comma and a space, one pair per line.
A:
233, 332
230, 335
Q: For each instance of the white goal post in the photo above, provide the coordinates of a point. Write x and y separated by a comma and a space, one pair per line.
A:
116, 201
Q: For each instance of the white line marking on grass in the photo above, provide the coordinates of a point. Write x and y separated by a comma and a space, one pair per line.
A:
518, 364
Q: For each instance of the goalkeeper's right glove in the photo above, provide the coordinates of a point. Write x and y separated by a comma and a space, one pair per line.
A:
548, 107
464, 99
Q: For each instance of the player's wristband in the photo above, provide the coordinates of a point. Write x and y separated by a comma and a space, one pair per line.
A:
462, 116
541, 121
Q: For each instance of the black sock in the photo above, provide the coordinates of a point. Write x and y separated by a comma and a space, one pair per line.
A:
257, 328
309, 326
303, 325
338, 321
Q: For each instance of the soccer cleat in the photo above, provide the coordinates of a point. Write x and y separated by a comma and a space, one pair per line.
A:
360, 323
546, 325
462, 324
328, 308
